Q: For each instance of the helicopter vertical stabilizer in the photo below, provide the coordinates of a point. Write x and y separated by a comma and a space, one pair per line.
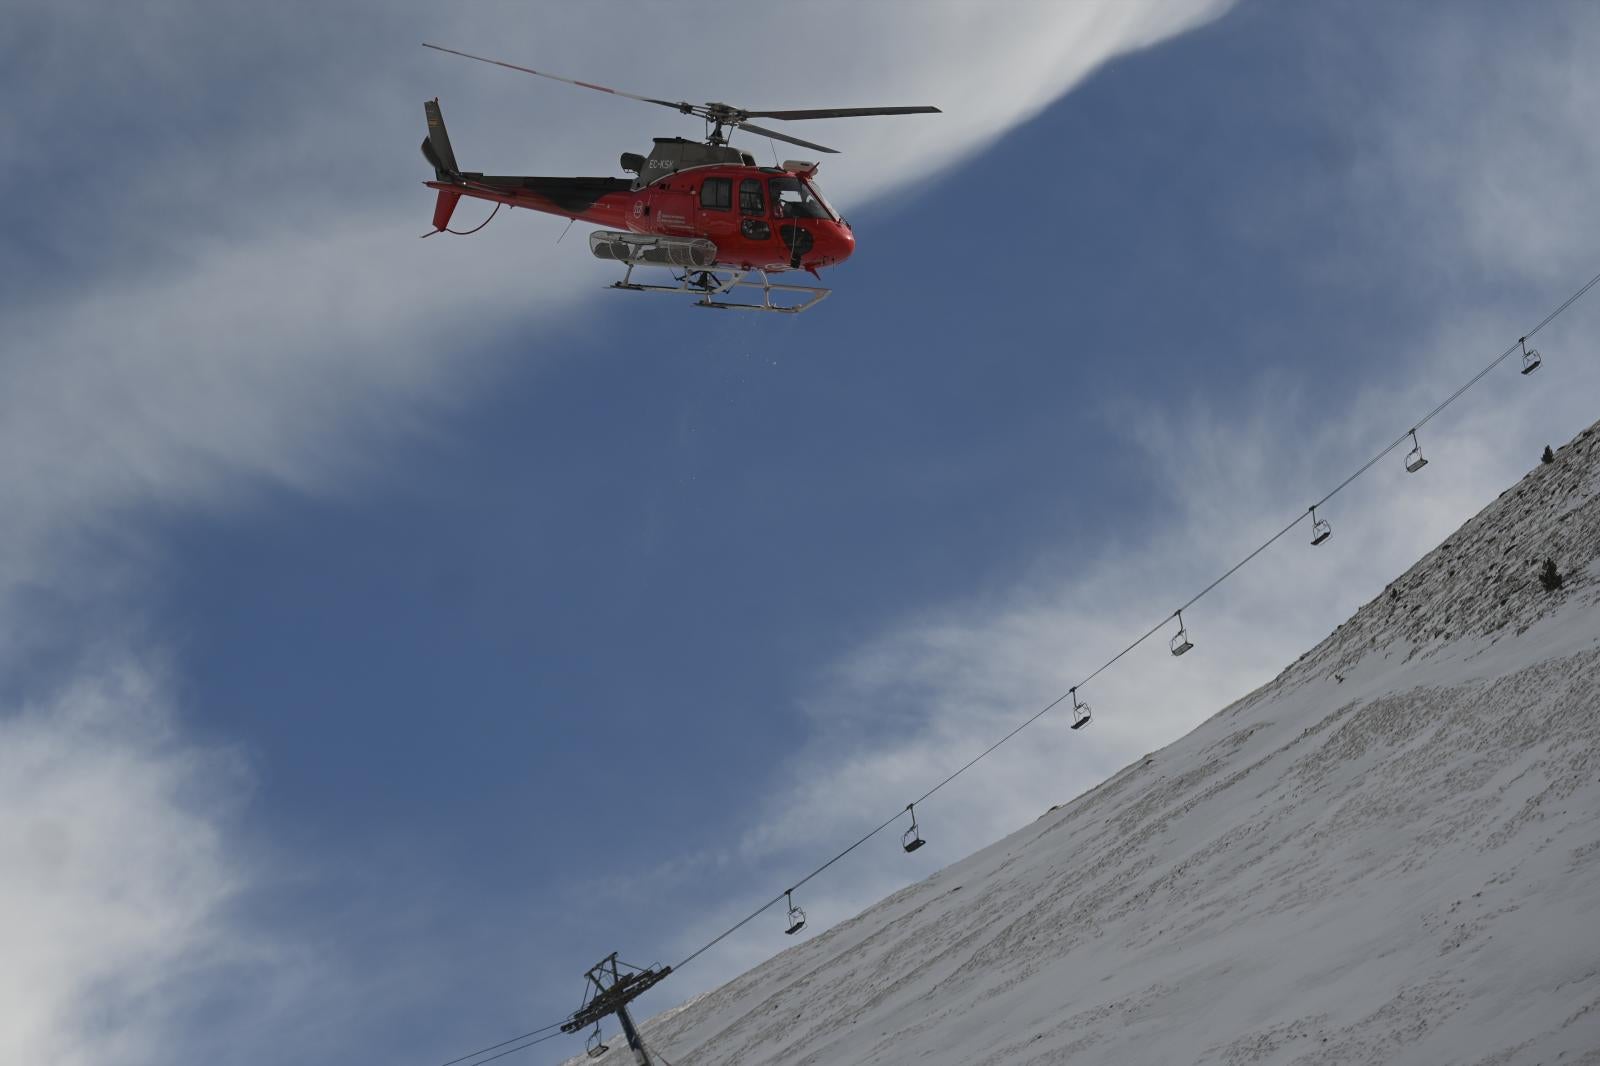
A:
436, 148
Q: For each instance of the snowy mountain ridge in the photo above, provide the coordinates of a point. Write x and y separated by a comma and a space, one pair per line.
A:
1388, 854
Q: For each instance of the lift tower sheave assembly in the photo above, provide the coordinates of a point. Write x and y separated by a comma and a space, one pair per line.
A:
612, 991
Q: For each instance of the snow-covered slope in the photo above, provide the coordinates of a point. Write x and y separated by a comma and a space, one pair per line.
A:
1402, 866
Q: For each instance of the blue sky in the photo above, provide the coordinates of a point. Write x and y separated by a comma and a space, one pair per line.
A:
393, 628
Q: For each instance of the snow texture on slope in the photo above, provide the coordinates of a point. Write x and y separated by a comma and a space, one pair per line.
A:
1389, 854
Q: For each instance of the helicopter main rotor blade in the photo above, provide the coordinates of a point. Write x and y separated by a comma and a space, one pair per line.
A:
676, 106
843, 112
775, 135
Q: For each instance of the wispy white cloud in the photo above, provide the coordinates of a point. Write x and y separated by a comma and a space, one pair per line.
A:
117, 872
1485, 147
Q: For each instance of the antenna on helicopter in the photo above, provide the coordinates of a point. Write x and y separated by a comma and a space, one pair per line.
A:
721, 119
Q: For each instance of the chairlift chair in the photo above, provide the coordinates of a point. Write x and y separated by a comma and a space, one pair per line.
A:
911, 839
595, 1047
1180, 640
797, 917
1415, 461
1530, 357
1080, 712
1320, 529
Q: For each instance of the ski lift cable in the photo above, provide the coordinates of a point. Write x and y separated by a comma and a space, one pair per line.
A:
503, 1043
519, 1047
588, 991
1454, 396
1369, 464
1234, 569
1513, 350
1398, 441
781, 896
1046, 709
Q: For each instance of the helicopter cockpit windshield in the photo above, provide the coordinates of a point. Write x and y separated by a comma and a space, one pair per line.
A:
798, 198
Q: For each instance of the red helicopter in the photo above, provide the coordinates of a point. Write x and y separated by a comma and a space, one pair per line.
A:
704, 210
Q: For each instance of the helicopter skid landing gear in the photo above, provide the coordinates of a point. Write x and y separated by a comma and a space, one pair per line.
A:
720, 290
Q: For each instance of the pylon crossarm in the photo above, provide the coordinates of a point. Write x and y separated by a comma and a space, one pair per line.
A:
626, 988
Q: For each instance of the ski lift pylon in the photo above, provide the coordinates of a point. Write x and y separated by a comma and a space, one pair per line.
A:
1180, 640
911, 839
1531, 360
797, 917
1415, 460
1080, 711
1320, 529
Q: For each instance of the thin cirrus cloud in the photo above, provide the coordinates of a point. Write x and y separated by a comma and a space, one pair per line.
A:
247, 305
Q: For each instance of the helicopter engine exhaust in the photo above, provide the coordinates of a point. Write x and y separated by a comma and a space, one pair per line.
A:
618, 246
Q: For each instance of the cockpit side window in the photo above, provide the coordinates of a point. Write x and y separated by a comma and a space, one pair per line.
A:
793, 199
827, 208
717, 193
751, 199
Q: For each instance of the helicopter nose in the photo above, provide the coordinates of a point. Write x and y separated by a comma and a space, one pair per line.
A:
834, 244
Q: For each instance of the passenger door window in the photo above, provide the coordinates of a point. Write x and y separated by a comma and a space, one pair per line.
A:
753, 206
751, 200
716, 194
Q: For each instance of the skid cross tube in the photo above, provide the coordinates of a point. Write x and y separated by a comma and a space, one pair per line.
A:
714, 291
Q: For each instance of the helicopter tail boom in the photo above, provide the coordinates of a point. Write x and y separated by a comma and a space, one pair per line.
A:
591, 199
